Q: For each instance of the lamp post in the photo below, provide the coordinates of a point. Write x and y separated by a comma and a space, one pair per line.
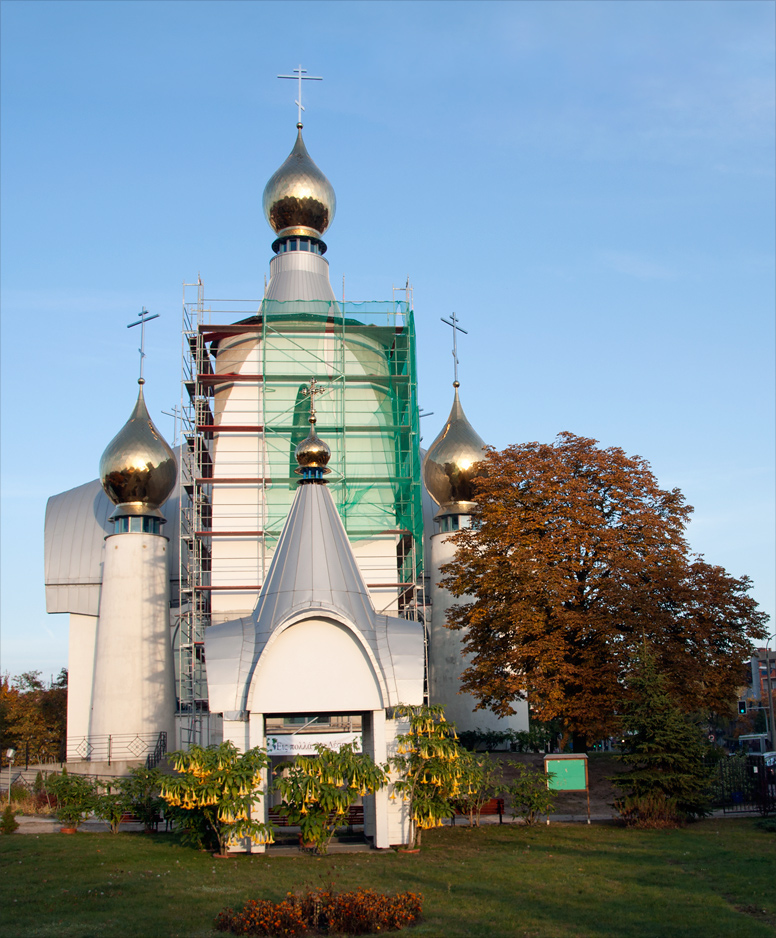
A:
770, 690
10, 753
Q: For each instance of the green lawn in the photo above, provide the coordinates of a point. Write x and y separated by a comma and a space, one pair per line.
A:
716, 878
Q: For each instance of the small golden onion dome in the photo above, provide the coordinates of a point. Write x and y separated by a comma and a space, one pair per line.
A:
299, 199
312, 452
138, 469
448, 467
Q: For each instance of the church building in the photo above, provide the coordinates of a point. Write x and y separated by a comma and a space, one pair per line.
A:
275, 580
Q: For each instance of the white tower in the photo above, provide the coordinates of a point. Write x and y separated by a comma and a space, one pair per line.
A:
449, 468
133, 694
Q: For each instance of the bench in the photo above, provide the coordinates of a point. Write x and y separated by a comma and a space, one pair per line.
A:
354, 817
492, 806
128, 818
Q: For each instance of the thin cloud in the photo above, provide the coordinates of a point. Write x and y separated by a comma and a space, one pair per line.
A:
636, 265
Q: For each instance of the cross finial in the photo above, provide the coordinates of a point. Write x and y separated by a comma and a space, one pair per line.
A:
453, 321
310, 390
300, 76
145, 317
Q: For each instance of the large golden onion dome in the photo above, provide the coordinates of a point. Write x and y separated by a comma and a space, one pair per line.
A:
449, 464
299, 199
138, 469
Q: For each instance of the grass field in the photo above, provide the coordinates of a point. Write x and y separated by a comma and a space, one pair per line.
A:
715, 879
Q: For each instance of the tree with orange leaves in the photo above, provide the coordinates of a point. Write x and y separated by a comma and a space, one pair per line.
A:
576, 561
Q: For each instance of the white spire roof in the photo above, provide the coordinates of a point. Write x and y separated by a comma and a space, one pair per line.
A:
313, 573
313, 566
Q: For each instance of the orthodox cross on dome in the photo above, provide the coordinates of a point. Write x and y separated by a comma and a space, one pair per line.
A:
310, 390
453, 321
145, 317
300, 76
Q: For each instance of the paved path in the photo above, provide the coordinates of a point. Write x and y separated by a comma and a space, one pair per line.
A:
50, 825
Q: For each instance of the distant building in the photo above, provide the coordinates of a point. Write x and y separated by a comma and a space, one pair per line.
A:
763, 660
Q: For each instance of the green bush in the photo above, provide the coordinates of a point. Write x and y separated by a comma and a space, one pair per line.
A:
8, 823
76, 796
479, 782
220, 785
193, 827
141, 791
529, 795
112, 803
428, 761
535, 739
652, 810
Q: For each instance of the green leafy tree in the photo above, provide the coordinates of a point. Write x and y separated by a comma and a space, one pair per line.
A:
574, 559
429, 762
221, 784
318, 792
668, 781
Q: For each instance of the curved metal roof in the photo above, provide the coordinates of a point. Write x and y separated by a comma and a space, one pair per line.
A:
75, 530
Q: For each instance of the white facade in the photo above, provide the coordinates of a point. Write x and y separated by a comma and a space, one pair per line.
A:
134, 683
447, 658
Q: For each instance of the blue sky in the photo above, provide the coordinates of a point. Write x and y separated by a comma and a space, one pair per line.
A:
588, 185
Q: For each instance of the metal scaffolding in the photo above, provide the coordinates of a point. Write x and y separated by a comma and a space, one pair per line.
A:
245, 363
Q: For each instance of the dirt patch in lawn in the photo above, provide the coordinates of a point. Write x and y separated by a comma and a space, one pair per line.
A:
601, 766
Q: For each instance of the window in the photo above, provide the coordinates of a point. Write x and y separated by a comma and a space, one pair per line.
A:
137, 524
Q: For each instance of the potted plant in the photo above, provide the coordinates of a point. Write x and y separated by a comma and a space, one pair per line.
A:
76, 798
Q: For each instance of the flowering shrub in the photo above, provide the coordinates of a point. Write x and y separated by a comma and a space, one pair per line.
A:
221, 785
317, 793
262, 917
429, 762
363, 912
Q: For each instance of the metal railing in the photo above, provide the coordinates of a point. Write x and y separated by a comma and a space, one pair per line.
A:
128, 747
743, 784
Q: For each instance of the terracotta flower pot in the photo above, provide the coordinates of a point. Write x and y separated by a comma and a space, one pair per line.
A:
68, 830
